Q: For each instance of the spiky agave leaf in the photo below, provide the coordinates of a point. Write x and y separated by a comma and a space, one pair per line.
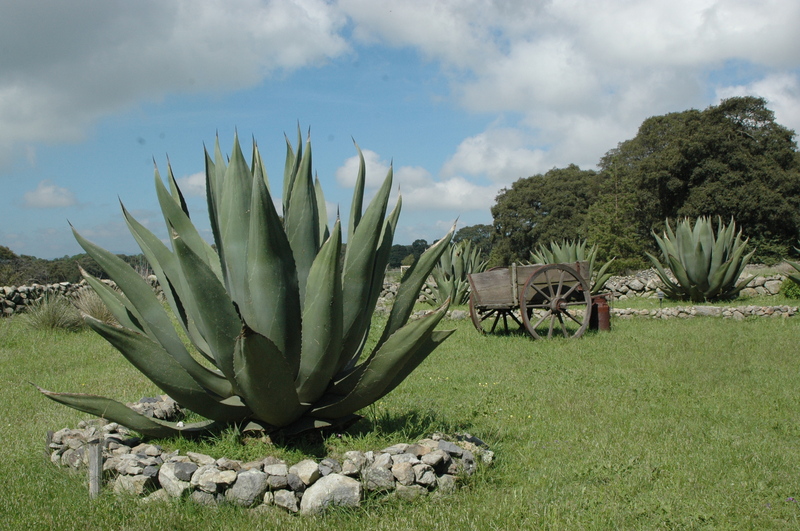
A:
569, 251
272, 307
706, 264
450, 274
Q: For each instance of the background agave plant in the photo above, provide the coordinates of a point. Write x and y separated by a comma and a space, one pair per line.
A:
450, 274
278, 320
574, 251
706, 266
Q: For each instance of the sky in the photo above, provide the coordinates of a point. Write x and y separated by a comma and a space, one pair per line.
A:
460, 97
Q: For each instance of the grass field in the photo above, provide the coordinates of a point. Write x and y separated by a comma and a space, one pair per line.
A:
678, 424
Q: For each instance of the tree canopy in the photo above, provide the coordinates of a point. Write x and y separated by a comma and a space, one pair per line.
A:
730, 160
541, 209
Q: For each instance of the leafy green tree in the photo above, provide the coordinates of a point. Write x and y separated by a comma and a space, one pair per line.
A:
731, 160
480, 235
540, 209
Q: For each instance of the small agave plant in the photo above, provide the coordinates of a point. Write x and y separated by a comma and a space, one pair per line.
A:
278, 320
449, 277
574, 251
707, 266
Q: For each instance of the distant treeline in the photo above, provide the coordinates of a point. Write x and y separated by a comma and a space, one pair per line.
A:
23, 270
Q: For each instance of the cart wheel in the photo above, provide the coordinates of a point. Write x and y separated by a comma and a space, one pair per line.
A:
556, 299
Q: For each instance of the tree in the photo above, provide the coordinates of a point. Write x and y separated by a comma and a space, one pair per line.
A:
731, 160
479, 235
541, 209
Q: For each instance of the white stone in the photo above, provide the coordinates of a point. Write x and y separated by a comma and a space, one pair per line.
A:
332, 490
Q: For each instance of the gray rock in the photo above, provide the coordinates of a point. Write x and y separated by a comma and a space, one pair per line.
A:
410, 492
382, 460
404, 473
279, 469
405, 458
378, 479
201, 459
170, 480
184, 471
708, 311
248, 489
211, 479
446, 483
295, 483
158, 496
395, 449
276, 482
307, 470
133, 485
201, 497
224, 463
286, 499
329, 466
773, 286
331, 490
451, 448
424, 475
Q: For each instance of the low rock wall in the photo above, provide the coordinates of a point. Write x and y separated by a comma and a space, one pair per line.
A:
647, 284
726, 312
434, 465
14, 299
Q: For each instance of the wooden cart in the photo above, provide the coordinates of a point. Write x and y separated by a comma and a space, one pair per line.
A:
543, 299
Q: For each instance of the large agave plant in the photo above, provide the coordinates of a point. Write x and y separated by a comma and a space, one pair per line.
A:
278, 320
449, 277
574, 251
707, 266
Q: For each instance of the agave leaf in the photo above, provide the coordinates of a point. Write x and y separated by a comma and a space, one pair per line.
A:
374, 375
121, 414
210, 307
356, 206
176, 218
119, 306
234, 223
189, 390
175, 191
212, 202
167, 270
264, 380
151, 314
359, 270
273, 305
302, 221
322, 321
412, 282
291, 168
258, 168
436, 338
324, 231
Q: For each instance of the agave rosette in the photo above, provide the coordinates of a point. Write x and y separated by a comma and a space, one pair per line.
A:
449, 277
707, 266
277, 319
569, 251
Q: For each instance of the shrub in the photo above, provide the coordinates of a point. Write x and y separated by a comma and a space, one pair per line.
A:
52, 312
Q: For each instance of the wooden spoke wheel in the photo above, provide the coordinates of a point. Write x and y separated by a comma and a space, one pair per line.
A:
486, 320
555, 302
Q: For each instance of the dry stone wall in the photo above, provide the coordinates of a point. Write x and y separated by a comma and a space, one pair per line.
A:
435, 465
646, 284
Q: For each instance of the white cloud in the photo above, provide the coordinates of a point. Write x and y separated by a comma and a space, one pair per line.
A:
501, 155
782, 92
49, 195
374, 167
193, 185
66, 65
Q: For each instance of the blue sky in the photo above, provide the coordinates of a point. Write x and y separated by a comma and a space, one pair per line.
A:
464, 97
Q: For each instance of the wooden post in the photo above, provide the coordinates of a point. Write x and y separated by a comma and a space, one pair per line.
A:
47, 441
95, 467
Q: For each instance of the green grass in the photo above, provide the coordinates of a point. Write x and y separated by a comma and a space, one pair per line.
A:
676, 424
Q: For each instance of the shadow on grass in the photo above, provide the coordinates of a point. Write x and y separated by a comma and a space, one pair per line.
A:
375, 428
